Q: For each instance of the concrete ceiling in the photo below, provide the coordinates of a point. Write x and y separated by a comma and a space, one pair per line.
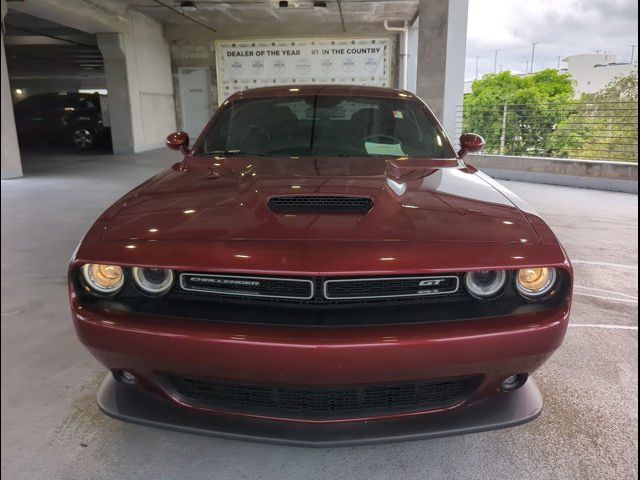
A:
246, 18
40, 49
223, 19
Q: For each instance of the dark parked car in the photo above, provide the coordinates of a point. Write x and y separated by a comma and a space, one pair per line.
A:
75, 118
321, 268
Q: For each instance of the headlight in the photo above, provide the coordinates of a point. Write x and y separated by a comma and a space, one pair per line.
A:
535, 282
104, 279
486, 284
152, 281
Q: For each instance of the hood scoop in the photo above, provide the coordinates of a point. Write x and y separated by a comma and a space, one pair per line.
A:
320, 204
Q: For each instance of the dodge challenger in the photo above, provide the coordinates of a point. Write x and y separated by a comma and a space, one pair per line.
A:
321, 267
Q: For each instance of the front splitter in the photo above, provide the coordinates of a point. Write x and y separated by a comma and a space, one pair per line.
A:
503, 410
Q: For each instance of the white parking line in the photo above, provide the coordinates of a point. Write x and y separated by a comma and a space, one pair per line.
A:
607, 291
606, 298
605, 264
612, 327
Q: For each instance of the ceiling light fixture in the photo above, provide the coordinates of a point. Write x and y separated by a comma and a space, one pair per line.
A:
188, 6
178, 11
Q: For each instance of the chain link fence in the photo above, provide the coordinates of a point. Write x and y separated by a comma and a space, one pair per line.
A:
580, 130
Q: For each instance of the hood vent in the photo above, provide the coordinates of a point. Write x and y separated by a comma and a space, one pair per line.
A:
320, 204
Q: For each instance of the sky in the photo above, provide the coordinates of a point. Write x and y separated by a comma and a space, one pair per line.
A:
562, 27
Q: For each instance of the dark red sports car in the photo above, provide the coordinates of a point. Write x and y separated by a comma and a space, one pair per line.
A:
321, 268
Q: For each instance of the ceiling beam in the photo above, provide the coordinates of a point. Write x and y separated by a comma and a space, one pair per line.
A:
48, 35
20, 40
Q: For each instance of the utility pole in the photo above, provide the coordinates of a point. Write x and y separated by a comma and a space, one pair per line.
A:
526, 69
503, 134
533, 53
559, 58
633, 53
495, 62
477, 58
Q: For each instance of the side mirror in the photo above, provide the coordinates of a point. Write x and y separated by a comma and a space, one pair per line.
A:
470, 143
178, 141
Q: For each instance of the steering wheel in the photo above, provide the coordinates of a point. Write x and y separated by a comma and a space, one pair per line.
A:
394, 140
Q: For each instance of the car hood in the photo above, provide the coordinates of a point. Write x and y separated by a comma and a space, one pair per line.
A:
218, 198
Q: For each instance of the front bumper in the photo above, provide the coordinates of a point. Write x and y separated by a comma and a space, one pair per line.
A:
498, 411
492, 348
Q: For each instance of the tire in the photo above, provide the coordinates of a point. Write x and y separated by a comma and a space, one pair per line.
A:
83, 139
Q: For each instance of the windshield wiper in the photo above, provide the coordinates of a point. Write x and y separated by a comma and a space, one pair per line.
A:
233, 152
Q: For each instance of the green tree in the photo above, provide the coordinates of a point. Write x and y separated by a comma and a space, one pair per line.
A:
603, 125
517, 115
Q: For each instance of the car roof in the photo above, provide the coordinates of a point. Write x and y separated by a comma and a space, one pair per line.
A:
332, 89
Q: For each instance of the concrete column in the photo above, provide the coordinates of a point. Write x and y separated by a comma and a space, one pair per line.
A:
115, 65
140, 85
10, 159
442, 39
412, 58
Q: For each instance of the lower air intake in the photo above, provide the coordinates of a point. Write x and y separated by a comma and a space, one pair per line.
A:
347, 401
320, 204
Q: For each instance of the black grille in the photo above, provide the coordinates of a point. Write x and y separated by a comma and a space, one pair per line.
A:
320, 204
319, 311
246, 286
390, 287
324, 290
320, 402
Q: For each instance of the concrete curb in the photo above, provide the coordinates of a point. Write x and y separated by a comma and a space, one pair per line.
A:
599, 175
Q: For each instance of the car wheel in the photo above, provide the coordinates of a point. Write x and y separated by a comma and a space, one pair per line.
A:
83, 139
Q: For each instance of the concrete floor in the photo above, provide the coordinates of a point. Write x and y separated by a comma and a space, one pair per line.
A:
52, 429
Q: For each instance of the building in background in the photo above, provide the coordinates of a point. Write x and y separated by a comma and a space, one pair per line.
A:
590, 72
593, 72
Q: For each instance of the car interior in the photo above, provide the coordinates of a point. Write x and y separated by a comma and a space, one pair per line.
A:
326, 126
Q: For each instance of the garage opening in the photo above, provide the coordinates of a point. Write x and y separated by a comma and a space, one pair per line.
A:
58, 90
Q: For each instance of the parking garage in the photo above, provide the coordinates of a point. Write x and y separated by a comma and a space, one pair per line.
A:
156, 67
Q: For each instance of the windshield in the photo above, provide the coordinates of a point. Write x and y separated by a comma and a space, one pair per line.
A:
325, 125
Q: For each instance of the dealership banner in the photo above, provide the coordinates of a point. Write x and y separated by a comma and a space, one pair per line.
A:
243, 64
